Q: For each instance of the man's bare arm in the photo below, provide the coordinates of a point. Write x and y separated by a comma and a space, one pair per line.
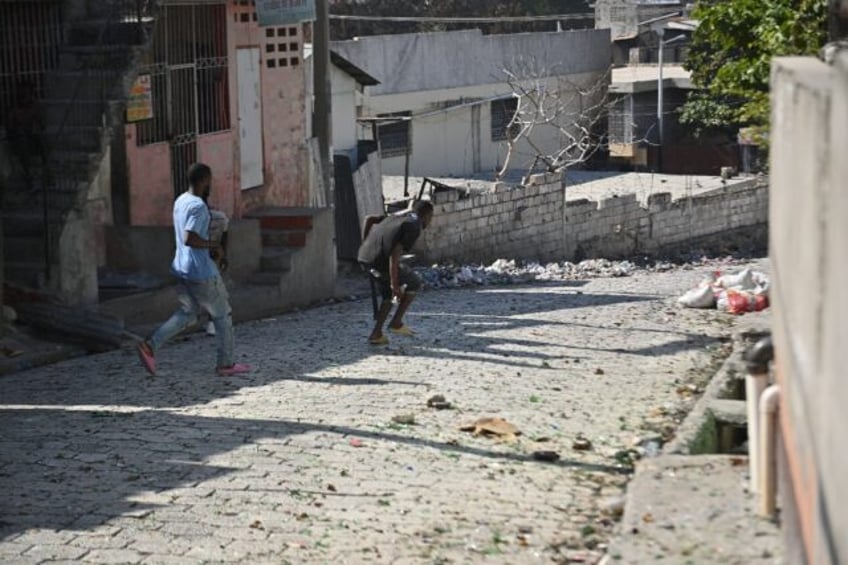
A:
394, 263
193, 240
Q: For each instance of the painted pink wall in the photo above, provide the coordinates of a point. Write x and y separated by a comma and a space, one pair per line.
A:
218, 150
284, 135
149, 176
283, 114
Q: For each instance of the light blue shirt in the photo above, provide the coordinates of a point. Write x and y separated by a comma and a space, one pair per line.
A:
191, 214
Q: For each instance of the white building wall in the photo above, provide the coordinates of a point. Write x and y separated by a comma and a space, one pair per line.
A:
345, 98
421, 73
443, 141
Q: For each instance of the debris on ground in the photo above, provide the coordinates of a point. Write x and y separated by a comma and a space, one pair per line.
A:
581, 444
439, 402
10, 352
404, 419
505, 272
493, 427
548, 456
738, 293
613, 506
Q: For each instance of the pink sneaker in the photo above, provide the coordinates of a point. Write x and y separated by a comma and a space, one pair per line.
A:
237, 369
147, 358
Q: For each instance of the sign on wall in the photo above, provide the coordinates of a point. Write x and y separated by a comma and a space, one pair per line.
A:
283, 12
140, 102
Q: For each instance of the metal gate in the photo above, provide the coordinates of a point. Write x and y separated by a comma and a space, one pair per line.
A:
189, 73
30, 37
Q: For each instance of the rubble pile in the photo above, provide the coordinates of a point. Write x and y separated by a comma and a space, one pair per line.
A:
506, 272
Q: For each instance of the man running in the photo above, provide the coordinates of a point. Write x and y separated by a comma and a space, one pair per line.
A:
383, 245
200, 286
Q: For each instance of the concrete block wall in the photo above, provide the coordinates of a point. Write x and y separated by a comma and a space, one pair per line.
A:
520, 222
538, 223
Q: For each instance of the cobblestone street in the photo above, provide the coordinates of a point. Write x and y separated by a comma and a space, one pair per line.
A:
302, 462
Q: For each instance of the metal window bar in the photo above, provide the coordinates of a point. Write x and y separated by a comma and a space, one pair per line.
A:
190, 74
395, 136
502, 112
30, 38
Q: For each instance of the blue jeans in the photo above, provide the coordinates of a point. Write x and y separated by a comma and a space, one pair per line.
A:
194, 296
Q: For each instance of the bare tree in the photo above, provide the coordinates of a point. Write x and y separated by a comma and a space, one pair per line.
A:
562, 121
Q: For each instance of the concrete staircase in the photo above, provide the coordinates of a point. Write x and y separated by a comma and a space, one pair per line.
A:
285, 232
295, 267
82, 99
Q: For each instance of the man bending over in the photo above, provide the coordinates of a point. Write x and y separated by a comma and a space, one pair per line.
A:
383, 245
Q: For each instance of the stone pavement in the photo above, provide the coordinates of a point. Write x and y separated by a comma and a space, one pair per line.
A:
301, 462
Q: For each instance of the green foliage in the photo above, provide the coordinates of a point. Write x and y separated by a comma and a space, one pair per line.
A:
731, 52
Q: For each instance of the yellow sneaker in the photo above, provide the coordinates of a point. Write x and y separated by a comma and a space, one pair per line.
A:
382, 340
403, 330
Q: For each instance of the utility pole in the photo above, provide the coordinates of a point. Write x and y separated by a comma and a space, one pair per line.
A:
322, 119
660, 124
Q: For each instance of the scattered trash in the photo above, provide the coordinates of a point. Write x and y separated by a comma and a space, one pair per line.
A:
613, 506
439, 403
257, 525
746, 291
581, 444
332, 488
404, 419
548, 456
355, 442
9, 352
599, 371
493, 427
505, 272
648, 518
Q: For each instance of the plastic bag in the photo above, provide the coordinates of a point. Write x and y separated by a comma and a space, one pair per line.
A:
740, 302
700, 297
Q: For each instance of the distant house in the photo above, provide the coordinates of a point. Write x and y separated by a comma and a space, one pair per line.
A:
633, 29
444, 104
633, 121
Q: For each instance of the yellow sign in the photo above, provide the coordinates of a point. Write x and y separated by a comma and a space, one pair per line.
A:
140, 102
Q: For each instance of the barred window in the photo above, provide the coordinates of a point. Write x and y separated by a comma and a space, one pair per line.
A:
189, 74
621, 120
502, 113
395, 136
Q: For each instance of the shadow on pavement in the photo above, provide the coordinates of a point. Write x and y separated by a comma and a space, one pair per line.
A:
54, 478
76, 447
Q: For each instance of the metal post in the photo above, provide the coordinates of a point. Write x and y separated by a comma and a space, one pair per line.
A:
406, 173
323, 118
660, 103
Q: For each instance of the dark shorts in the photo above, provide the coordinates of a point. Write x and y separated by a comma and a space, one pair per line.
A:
406, 276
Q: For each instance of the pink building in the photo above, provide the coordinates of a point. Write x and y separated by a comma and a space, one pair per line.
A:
227, 93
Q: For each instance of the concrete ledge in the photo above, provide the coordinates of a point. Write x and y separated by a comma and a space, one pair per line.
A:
693, 509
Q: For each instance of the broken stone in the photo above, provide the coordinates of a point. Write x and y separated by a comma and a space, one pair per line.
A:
581, 444
613, 506
439, 403
549, 456
404, 419
493, 427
